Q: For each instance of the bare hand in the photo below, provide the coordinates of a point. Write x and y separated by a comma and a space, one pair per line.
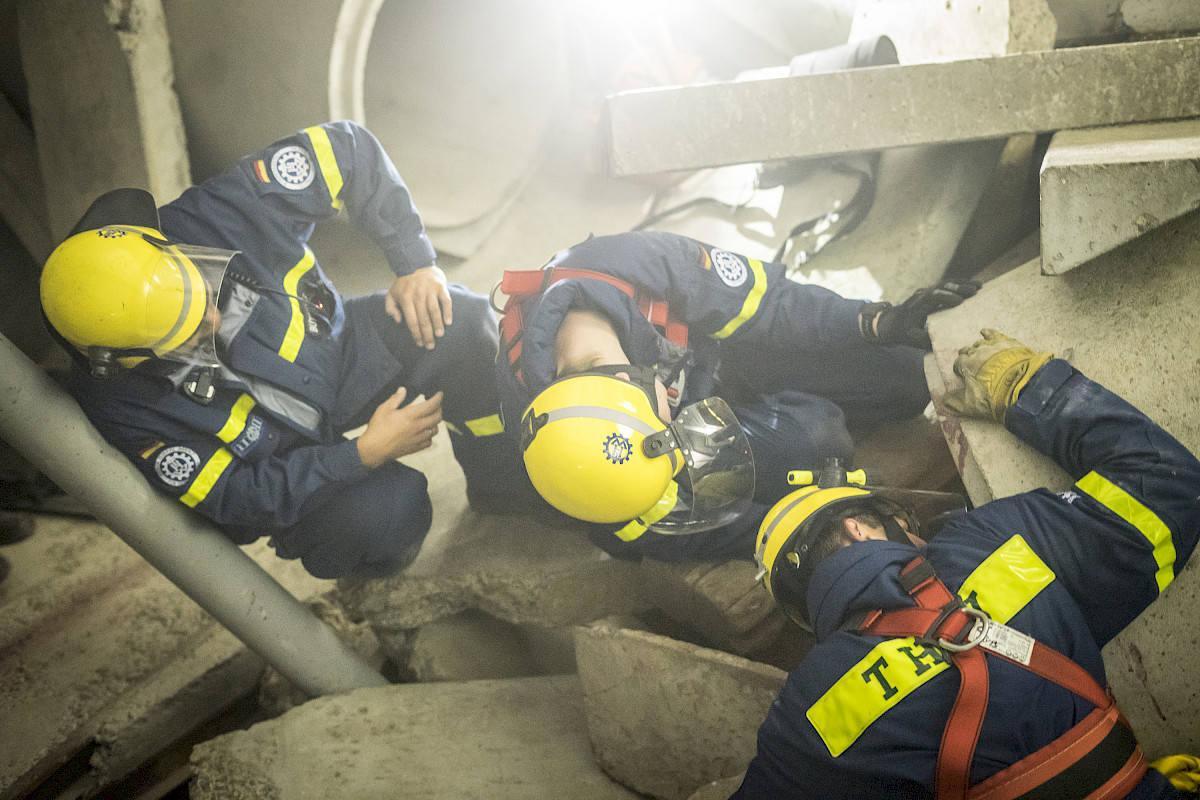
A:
422, 302
394, 432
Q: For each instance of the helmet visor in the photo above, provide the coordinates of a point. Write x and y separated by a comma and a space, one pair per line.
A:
192, 338
717, 482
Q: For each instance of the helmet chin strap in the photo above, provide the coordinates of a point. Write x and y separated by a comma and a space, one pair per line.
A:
893, 530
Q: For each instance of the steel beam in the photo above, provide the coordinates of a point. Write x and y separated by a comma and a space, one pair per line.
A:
48, 428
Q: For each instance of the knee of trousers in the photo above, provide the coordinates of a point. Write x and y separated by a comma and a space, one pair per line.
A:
382, 519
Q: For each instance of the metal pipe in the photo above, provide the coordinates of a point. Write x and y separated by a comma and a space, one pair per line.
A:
42, 422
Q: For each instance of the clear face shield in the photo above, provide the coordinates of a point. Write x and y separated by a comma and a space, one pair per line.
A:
716, 481
200, 348
182, 299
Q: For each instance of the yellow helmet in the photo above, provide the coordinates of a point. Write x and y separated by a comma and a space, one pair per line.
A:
123, 287
585, 440
785, 538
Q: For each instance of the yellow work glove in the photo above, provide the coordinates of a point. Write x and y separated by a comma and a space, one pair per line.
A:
1182, 771
994, 370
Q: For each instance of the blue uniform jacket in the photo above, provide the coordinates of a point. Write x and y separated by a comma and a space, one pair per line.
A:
862, 716
747, 324
269, 441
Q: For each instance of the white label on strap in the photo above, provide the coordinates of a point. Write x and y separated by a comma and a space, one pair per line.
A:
1007, 642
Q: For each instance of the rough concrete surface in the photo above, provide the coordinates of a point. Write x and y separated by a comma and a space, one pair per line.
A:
98, 647
520, 739
1102, 187
898, 106
934, 30
666, 717
1135, 336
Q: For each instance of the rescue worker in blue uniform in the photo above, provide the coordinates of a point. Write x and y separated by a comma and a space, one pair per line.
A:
214, 352
797, 365
866, 713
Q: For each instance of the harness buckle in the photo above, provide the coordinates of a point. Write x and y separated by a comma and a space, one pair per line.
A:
973, 639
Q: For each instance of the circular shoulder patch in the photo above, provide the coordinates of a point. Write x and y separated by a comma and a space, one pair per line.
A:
175, 465
731, 269
292, 167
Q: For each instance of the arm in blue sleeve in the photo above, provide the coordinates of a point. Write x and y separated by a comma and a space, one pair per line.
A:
202, 473
1132, 521
376, 197
722, 294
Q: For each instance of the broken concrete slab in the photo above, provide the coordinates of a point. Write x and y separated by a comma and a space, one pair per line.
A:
934, 30
103, 103
100, 651
475, 646
526, 572
1102, 187
521, 739
695, 722
1126, 321
1126, 333
896, 106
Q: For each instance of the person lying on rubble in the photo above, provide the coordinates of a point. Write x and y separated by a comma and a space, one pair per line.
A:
212, 350
970, 664
645, 367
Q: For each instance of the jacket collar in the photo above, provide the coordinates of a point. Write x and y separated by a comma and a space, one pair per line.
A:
859, 578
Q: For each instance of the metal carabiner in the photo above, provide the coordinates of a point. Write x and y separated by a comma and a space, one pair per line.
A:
970, 611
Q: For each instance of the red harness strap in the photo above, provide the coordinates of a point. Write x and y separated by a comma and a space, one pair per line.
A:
1080, 759
521, 286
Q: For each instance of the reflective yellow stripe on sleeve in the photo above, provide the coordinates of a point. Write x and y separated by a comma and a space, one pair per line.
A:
327, 162
207, 478
1128, 508
637, 527
1007, 580
237, 419
485, 426
295, 332
750, 306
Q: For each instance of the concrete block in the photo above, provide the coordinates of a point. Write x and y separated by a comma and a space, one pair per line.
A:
1161, 16
934, 30
896, 106
513, 568
665, 717
522, 739
469, 646
101, 93
1135, 336
1102, 187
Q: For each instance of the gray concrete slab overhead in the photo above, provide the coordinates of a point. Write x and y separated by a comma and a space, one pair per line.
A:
894, 106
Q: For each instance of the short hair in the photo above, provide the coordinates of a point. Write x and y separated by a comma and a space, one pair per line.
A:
828, 540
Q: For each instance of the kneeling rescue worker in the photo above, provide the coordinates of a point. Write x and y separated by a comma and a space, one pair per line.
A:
970, 665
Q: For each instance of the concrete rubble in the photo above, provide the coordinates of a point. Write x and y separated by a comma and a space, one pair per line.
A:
525, 659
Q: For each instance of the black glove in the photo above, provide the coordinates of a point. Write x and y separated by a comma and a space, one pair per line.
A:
905, 323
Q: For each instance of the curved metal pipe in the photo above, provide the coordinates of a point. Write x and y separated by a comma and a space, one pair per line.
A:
42, 422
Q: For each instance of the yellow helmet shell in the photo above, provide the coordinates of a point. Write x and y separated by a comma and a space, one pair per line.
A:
583, 449
786, 518
111, 287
